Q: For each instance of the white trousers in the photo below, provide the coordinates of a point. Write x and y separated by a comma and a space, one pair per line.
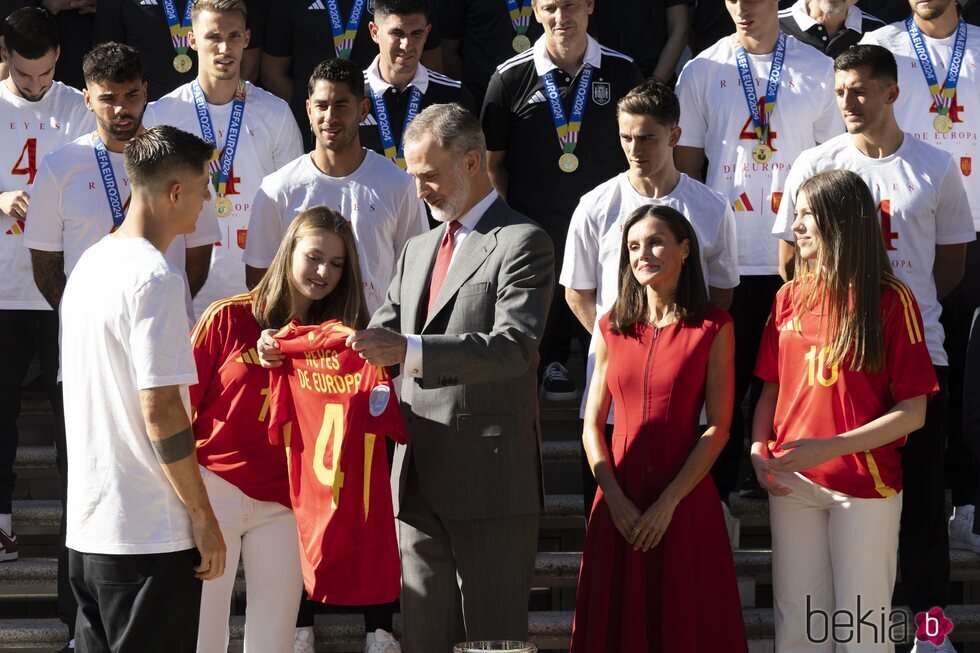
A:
833, 568
263, 534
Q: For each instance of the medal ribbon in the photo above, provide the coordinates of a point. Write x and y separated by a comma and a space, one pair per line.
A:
343, 40
520, 15
395, 152
942, 97
761, 120
180, 29
109, 183
568, 130
221, 165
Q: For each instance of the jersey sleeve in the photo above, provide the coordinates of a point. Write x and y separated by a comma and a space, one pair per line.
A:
281, 415
289, 145
580, 263
783, 225
721, 258
206, 231
767, 362
907, 359
208, 338
954, 220
829, 122
44, 227
496, 116
693, 123
264, 230
159, 343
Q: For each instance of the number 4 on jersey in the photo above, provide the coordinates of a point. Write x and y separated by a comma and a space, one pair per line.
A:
748, 129
330, 441
28, 167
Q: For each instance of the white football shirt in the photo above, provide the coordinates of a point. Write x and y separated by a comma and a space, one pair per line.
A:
714, 117
122, 331
28, 132
921, 203
595, 236
378, 198
915, 109
269, 139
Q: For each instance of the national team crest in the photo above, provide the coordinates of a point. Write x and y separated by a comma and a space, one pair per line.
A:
379, 400
966, 166
242, 234
776, 200
601, 93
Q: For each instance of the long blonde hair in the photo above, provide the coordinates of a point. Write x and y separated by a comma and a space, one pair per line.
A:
846, 278
273, 307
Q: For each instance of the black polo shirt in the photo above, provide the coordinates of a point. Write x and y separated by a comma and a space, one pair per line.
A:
637, 28
796, 22
300, 29
517, 118
710, 23
486, 35
143, 25
435, 87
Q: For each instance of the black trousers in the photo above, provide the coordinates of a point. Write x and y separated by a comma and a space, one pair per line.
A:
136, 603
923, 541
751, 304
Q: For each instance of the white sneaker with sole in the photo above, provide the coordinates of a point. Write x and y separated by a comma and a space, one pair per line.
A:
381, 641
961, 530
305, 641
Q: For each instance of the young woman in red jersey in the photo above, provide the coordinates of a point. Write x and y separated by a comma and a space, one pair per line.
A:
314, 277
847, 376
657, 571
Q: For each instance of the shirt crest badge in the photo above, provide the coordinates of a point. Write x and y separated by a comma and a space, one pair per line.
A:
601, 93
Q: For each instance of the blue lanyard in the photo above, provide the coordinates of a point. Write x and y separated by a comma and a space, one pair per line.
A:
109, 183
761, 119
941, 96
395, 152
343, 39
179, 28
568, 130
223, 169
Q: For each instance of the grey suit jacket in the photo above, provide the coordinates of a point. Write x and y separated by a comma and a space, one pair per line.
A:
473, 425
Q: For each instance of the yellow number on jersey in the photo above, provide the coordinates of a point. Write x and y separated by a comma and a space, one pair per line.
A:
817, 365
331, 438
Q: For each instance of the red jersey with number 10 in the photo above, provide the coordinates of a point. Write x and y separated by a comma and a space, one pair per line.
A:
333, 410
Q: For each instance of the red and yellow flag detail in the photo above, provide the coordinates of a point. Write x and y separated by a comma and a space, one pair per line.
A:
742, 203
16, 229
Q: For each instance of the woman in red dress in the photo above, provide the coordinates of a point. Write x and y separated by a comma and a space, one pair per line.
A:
657, 572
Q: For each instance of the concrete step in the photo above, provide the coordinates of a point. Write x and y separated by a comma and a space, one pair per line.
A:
549, 630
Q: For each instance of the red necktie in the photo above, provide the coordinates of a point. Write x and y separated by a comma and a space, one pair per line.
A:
443, 258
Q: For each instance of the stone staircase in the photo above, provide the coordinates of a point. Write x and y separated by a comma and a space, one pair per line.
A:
28, 619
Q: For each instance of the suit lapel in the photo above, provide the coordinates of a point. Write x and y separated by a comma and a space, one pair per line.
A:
415, 282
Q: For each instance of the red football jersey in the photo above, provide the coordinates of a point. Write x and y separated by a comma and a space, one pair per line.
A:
818, 401
231, 403
333, 410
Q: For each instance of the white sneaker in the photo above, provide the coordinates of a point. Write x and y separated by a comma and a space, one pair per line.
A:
381, 641
929, 647
304, 642
733, 526
961, 530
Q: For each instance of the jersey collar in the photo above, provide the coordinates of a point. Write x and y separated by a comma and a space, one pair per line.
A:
544, 65
853, 21
380, 86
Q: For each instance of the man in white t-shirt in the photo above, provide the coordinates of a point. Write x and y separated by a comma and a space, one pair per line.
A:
749, 154
82, 191
369, 190
926, 223
39, 116
943, 38
648, 132
141, 531
253, 131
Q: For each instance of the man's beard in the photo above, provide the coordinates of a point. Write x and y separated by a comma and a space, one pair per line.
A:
452, 206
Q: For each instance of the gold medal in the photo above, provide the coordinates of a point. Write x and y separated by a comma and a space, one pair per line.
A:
568, 162
521, 43
183, 63
222, 206
762, 153
943, 123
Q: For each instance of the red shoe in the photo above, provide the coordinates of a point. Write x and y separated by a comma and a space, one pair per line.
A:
8, 546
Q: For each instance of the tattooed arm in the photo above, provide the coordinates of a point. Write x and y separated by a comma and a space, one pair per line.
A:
49, 275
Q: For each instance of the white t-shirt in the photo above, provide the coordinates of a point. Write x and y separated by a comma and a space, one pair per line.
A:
378, 198
122, 331
921, 203
915, 109
269, 139
715, 118
595, 235
69, 211
29, 131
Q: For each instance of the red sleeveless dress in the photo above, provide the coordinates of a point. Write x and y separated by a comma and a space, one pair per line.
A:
681, 596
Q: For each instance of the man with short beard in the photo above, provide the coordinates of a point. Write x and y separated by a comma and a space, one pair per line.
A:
830, 26
253, 133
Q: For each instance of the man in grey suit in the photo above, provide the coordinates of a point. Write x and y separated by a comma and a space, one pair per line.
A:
463, 318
